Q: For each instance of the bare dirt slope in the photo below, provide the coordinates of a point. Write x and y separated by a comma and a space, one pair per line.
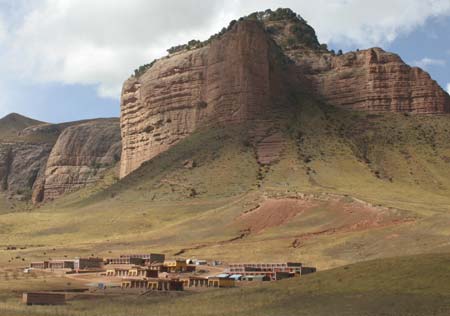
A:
346, 214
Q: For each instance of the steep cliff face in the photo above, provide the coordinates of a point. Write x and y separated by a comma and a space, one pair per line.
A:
40, 161
79, 157
231, 80
252, 70
372, 80
21, 160
24, 164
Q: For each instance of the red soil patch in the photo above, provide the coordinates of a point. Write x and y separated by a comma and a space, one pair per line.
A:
274, 213
344, 215
353, 217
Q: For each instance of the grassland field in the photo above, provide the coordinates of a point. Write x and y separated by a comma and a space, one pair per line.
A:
408, 286
377, 187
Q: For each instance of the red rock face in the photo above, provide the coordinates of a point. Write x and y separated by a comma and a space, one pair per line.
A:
229, 80
375, 81
81, 156
41, 161
243, 75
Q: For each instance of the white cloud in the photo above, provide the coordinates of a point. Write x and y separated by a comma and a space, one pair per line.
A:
365, 23
2, 31
424, 63
3, 110
3, 101
100, 42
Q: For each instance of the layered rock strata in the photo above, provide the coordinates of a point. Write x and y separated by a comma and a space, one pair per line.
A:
372, 80
20, 166
254, 69
40, 161
230, 80
80, 156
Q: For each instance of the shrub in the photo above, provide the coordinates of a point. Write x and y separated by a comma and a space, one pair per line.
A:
232, 23
303, 33
142, 69
291, 41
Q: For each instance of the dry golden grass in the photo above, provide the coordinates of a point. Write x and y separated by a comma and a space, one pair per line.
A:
400, 162
413, 286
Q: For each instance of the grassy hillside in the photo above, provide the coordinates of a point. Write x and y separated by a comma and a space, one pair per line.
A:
346, 187
418, 285
354, 186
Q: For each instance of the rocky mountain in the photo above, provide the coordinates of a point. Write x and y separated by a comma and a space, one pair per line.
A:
371, 80
233, 79
251, 71
79, 157
41, 161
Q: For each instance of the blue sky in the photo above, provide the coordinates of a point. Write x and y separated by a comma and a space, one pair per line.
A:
63, 60
430, 42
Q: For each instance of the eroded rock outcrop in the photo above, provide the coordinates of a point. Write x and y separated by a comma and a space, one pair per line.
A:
372, 80
20, 166
253, 69
41, 161
231, 80
22, 159
81, 155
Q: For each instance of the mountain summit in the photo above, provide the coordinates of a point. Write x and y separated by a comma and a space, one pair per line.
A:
255, 69
13, 123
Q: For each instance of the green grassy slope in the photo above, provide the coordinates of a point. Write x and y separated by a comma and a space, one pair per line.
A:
418, 285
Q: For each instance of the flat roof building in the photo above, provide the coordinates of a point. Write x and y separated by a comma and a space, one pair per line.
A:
308, 270
143, 272
288, 266
193, 281
39, 265
126, 260
253, 278
61, 264
221, 282
132, 271
152, 284
148, 258
266, 269
177, 266
43, 298
88, 263
283, 275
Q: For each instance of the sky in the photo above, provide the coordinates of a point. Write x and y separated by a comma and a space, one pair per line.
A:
64, 60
